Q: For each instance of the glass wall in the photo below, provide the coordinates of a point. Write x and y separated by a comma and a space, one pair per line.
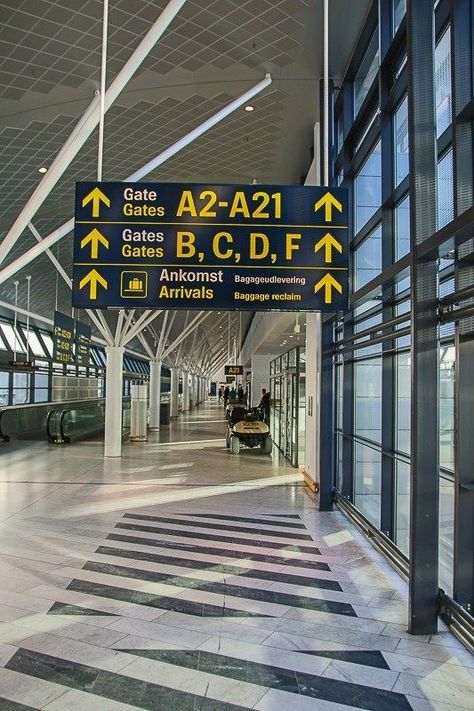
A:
48, 381
366, 73
288, 404
368, 188
373, 352
401, 141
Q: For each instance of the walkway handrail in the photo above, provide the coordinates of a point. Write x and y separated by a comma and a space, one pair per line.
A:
51, 419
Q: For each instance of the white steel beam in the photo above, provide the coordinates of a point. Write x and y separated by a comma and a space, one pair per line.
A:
68, 226
146, 345
128, 320
118, 327
202, 315
88, 123
163, 335
51, 256
47, 183
142, 323
102, 327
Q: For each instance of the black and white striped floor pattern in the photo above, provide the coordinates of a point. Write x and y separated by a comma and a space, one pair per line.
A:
203, 606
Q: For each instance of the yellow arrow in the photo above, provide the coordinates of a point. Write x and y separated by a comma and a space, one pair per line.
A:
94, 237
93, 278
329, 283
329, 202
328, 242
96, 196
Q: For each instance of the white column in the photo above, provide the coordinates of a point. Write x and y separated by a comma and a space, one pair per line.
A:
174, 392
185, 391
113, 401
313, 389
196, 390
260, 377
155, 394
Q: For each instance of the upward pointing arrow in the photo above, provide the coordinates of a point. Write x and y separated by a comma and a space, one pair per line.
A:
93, 278
328, 242
329, 283
96, 196
95, 237
328, 201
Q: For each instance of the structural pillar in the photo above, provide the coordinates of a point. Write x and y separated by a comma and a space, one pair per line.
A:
311, 471
155, 394
174, 392
196, 390
113, 401
185, 391
424, 472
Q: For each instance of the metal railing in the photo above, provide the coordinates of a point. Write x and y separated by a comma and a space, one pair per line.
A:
60, 422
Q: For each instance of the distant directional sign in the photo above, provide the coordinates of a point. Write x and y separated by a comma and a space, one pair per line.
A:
233, 370
172, 246
63, 338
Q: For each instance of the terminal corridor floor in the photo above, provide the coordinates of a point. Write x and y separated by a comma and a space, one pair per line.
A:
182, 578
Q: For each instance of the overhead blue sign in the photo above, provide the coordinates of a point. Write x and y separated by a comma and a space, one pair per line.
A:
172, 246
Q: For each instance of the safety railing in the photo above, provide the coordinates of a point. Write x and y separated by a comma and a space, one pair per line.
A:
60, 422
82, 420
23, 421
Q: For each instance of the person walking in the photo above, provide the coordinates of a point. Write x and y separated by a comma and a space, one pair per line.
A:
226, 395
265, 405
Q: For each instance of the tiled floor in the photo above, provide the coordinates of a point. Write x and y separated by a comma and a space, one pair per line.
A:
182, 578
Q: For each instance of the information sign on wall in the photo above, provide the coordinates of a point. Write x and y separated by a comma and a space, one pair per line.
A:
83, 343
63, 338
190, 246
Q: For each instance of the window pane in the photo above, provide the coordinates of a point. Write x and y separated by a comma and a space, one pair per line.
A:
446, 407
403, 401
443, 83
367, 482
399, 9
339, 446
368, 398
402, 517
402, 228
401, 141
368, 258
340, 133
445, 190
339, 386
4, 388
446, 534
48, 342
366, 74
13, 338
21, 388
368, 188
35, 345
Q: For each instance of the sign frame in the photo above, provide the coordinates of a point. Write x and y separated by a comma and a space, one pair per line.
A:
211, 247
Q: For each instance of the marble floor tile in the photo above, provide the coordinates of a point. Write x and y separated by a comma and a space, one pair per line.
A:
130, 572
75, 700
183, 637
275, 700
434, 689
28, 690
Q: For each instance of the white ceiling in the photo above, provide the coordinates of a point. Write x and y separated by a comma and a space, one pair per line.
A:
213, 51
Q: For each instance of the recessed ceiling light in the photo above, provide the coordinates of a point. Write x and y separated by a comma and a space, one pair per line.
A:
249, 107
42, 170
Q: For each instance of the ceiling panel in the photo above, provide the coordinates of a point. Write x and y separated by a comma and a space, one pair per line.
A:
212, 52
